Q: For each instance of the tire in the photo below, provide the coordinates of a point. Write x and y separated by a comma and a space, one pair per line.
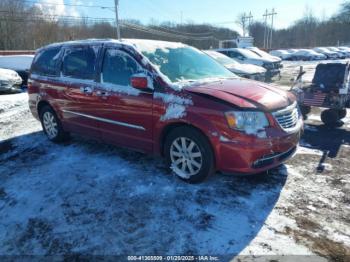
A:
189, 154
52, 125
330, 117
342, 113
305, 110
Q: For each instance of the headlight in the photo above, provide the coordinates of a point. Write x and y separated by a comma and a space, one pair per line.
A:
247, 121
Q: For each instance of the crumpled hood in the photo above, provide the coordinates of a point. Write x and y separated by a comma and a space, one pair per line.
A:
245, 93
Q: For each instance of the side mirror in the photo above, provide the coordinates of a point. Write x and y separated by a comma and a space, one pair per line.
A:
139, 81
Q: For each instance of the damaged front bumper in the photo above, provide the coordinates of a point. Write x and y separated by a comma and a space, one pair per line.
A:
257, 155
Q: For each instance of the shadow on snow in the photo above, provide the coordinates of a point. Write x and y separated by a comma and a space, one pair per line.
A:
85, 197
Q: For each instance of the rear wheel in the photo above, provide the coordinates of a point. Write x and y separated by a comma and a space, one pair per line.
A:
52, 125
189, 154
330, 117
342, 113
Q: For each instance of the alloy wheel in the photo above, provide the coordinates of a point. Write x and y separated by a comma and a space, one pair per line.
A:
186, 157
50, 125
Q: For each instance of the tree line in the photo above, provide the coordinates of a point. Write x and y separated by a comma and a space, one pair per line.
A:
309, 31
24, 26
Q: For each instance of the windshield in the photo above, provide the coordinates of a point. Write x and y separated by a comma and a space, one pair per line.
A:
260, 52
248, 53
222, 59
184, 63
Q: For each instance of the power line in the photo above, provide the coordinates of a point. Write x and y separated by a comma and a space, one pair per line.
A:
72, 5
163, 33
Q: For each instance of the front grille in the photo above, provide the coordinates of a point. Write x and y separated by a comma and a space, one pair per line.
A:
288, 117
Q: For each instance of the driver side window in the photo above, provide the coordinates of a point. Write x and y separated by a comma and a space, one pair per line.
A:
118, 67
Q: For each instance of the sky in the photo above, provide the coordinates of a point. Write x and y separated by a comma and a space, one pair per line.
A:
218, 12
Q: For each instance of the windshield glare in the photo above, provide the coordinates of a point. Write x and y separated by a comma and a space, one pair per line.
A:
222, 59
186, 63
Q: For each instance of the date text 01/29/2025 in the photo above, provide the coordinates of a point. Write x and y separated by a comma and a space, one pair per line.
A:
173, 258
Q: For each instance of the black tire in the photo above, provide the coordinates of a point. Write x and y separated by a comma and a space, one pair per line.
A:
330, 117
207, 156
342, 113
305, 110
61, 135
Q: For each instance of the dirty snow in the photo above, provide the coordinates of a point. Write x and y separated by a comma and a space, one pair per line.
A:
85, 197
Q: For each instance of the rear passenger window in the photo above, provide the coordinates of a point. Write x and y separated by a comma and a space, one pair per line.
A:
79, 62
45, 63
118, 67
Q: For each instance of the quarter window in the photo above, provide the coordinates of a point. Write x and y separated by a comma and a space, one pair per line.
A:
45, 62
79, 62
118, 67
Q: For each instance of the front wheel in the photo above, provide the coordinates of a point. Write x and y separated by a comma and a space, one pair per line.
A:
52, 125
330, 117
189, 154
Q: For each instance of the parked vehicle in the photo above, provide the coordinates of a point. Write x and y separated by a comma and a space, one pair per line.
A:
248, 57
163, 98
243, 70
345, 48
307, 55
10, 81
19, 63
343, 54
329, 90
283, 54
328, 53
264, 54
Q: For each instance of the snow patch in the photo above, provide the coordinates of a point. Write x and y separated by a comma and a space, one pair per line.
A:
308, 151
174, 111
16, 62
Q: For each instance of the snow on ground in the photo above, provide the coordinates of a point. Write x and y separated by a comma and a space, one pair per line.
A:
85, 197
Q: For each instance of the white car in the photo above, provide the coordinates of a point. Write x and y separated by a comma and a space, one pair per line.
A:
262, 53
283, 54
19, 63
343, 53
10, 81
246, 56
327, 52
307, 55
243, 70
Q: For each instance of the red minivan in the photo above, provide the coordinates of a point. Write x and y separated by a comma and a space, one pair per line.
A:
163, 98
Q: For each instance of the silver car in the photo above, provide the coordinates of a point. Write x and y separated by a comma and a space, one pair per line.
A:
10, 81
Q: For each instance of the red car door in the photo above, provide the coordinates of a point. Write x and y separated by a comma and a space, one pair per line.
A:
125, 113
77, 101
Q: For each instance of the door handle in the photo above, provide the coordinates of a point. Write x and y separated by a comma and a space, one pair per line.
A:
87, 90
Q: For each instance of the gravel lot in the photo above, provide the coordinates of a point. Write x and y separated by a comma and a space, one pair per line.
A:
85, 197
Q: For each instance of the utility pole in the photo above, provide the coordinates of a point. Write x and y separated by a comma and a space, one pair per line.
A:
116, 5
265, 31
246, 18
273, 13
268, 32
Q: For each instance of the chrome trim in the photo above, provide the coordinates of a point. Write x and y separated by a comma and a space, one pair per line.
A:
106, 120
294, 119
292, 150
